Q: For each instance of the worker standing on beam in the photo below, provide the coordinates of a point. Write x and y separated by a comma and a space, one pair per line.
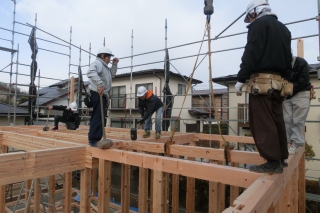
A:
296, 107
266, 58
100, 79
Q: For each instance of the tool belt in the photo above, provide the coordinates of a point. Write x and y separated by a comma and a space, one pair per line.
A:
265, 83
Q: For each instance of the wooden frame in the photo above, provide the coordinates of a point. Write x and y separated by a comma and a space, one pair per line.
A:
63, 151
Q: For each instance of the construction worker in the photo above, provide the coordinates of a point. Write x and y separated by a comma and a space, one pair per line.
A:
70, 116
296, 107
100, 79
148, 104
267, 55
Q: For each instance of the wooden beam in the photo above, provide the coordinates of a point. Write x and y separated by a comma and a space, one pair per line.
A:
104, 190
269, 188
200, 170
125, 188
35, 164
67, 190
85, 190
175, 193
284, 201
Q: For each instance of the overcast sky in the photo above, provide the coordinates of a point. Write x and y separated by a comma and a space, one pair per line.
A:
94, 20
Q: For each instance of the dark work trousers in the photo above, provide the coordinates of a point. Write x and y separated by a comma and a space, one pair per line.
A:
95, 130
267, 125
58, 118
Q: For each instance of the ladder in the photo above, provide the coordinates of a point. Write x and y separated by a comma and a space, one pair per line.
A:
42, 195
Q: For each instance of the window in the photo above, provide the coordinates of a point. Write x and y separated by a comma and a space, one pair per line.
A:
181, 89
148, 86
118, 97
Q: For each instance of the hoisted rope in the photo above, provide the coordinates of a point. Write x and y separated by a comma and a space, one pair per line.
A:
168, 143
227, 147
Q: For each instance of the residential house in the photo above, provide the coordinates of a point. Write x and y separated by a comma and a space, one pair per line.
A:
238, 114
124, 103
17, 115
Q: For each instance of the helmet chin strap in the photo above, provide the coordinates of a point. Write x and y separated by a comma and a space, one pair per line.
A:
253, 14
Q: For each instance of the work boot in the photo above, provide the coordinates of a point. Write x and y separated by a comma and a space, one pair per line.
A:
158, 134
55, 128
284, 163
293, 149
268, 167
146, 134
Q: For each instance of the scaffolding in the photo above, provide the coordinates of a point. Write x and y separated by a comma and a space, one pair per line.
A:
69, 45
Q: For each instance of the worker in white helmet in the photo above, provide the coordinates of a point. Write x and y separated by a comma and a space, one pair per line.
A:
148, 104
100, 79
70, 116
267, 56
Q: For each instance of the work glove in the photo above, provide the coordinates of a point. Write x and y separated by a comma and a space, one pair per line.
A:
141, 122
238, 88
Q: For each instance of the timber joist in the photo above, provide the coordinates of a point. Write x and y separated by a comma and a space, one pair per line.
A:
46, 153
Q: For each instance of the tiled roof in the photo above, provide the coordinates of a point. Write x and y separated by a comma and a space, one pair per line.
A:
5, 107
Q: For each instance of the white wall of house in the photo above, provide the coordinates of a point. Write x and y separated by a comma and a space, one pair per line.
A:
19, 120
158, 83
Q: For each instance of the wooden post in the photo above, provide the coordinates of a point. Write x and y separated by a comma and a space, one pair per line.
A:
165, 192
143, 190
300, 48
234, 190
67, 186
85, 190
104, 186
274, 209
175, 193
157, 192
302, 186
295, 190
125, 188
72, 89
94, 181
37, 197
284, 201
214, 196
52, 186
27, 193
3, 149
191, 182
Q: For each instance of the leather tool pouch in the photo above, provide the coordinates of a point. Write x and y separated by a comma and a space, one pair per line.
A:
287, 88
261, 85
312, 93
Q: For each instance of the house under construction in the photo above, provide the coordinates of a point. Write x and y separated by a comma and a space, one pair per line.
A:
41, 166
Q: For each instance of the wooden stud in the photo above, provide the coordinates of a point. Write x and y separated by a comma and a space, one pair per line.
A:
300, 48
67, 186
125, 188
157, 192
37, 197
104, 190
94, 181
85, 181
27, 191
52, 186
175, 192
234, 190
72, 89
302, 186
3, 149
143, 190
165, 192
294, 178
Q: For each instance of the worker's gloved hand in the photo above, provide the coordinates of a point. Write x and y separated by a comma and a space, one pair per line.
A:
238, 88
141, 122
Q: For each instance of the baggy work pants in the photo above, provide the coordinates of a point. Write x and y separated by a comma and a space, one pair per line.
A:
295, 111
57, 119
267, 125
95, 130
147, 125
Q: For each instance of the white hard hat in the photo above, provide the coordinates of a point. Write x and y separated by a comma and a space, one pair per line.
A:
73, 106
253, 4
105, 50
141, 91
